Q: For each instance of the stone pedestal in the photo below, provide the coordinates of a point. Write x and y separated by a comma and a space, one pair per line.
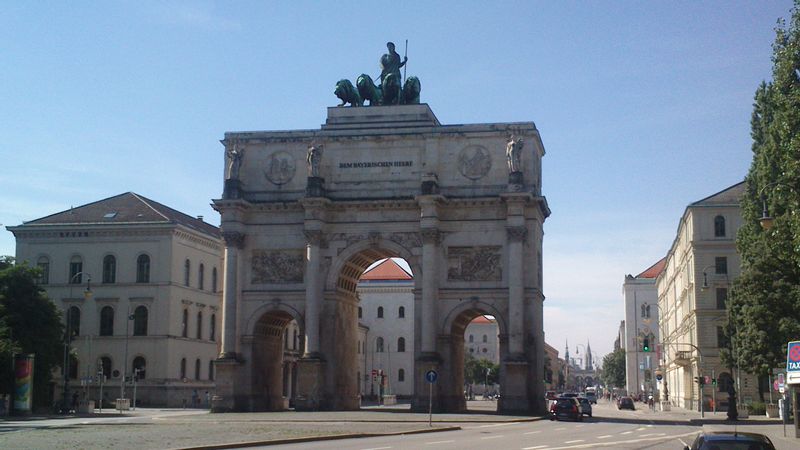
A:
515, 182
310, 379
514, 393
315, 187
232, 189
224, 400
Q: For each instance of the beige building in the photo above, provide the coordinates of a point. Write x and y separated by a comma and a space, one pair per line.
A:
692, 291
154, 279
552, 367
480, 339
641, 333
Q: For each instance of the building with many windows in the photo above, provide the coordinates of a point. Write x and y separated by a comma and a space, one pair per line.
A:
692, 293
152, 307
481, 339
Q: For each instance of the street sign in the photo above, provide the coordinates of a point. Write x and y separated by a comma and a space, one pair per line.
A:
431, 376
793, 362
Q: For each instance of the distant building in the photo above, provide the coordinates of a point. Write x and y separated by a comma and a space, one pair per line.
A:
619, 342
692, 293
155, 295
481, 341
552, 367
641, 330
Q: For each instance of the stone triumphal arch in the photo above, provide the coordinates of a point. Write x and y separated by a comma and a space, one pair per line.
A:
304, 213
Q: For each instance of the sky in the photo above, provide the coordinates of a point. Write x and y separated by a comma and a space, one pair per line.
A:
643, 107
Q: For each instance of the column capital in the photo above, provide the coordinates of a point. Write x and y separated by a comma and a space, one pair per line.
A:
517, 233
233, 239
431, 236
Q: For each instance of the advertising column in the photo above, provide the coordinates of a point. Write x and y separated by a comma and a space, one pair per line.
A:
23, 383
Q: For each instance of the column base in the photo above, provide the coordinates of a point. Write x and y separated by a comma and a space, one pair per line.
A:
514, 392
310, 381
420, 403
227, 369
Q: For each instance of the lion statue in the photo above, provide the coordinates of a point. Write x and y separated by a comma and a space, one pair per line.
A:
411, 91
368, 90
391, 90
347, 93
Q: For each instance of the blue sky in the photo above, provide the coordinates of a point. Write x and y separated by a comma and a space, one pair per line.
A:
643, 107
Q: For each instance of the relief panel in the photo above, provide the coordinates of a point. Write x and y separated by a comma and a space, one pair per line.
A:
474, 263
277, 266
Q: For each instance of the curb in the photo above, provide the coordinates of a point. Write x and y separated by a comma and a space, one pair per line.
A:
332, 437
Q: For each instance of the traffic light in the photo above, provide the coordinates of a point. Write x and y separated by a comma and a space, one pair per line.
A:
713, 381
646, 345
700, 380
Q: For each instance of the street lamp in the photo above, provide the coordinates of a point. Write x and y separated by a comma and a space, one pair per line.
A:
766, 220
87, 294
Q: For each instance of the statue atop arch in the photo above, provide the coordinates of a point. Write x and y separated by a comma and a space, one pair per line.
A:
391, 89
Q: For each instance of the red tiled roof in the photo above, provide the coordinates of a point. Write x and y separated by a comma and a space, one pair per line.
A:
482, 320
654, 270
387, 270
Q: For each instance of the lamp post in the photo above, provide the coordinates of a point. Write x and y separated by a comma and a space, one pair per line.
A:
87, 294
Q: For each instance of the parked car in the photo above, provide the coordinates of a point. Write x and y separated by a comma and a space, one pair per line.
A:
565, 408
550, 395
591, 396
568, 394
625, 403
586, 406
727, 440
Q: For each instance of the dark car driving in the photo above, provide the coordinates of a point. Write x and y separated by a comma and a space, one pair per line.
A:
726, 440
565, 408
625, 403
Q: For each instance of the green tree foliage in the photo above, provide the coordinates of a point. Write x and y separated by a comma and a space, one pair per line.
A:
764, 308
613, 373
29, 323
475, 370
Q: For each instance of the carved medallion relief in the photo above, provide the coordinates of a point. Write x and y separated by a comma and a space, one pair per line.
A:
280, 168
277, 266
474, 263
474, 162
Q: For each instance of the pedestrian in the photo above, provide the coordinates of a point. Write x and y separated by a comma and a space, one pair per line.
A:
208, 400
195, 398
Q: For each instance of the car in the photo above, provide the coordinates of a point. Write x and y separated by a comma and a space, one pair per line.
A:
625, 403
566, 408
550, 395
730, 440
586, 406
591, 396
568, 394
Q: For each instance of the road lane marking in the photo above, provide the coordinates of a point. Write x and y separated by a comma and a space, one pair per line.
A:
439, 442
492, 437
377, 448
578, 426
533, 432
641, 429
534, 448
575, 441
605, 436
652, 434
498, 425
626, 432
617, 443
559, 429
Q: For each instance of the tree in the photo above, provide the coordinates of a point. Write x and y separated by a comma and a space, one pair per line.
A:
475, 371
764, 306
613, 373
29, 323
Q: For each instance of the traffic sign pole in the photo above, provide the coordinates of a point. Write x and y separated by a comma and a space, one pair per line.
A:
430, 377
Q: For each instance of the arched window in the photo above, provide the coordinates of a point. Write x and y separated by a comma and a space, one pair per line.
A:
74, 321
187, 268
401, 312
360, 312
485, 339
379, 345
201, 275
401, 344
143, 269
43, 263
109, 269
199, 324
197, 369
212, 328
105, 366
401, 375
107, 321
185, 323
214, 279
211, 370
719, 226
380, 312
76, 270
471, 338
140, 321
183, 368
139, 368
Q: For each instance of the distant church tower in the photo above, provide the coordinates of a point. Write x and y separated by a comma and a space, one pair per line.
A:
566, 352
588, 356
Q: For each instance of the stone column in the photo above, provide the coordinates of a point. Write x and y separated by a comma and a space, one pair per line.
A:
431, 238
234, 241
516, 288
313, 292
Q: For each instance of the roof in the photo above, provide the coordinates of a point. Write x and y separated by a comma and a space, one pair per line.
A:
388, 270
482, 320
654, 270
127, 208
727, 196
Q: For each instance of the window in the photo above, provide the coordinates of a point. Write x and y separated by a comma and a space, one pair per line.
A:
143, 269
140, 321
721, 264
183, 368
379, 345
360, 312
76, 270
43, 263
401, 313
719, 226
214, 279
201, 275
484, 350
211, 370
485, 339
109, 269
645, 311
139, 366
107, 321
105, 366
401, 344
185, 323
722, 339
401, 375
74, 321
380, 312
187, 267
471, 350
471, 338
197, 369
212, 328
722, 298
199, 324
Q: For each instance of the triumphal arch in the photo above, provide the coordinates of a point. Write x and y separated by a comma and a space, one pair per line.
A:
305, 212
